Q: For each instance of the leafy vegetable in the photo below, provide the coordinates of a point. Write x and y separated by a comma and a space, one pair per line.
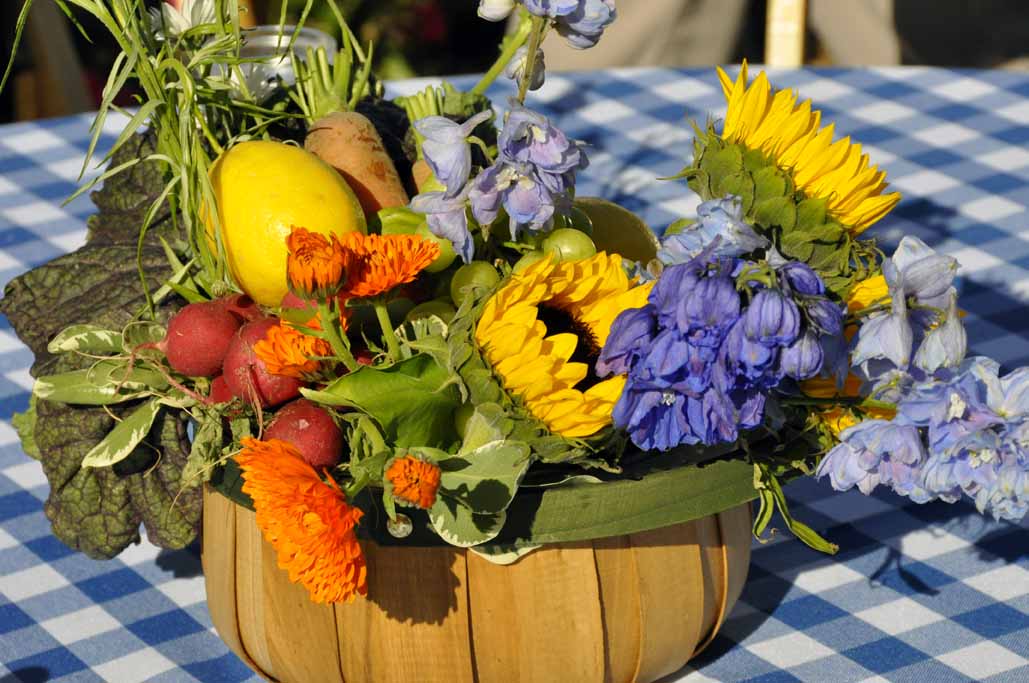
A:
98, 510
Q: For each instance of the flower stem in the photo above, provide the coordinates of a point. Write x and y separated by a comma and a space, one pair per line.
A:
535, 38
510, 47
388, 334
329, 327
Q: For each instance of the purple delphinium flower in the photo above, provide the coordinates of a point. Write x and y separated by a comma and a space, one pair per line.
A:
583, 27
518, 190
496, 10
876, 452
529, 138
532, 176
515, 69
701, 361
973, 426
922, 328
447, 218
720, 219
446, 148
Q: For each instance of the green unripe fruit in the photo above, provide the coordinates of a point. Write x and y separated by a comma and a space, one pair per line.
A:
441, 309
568, 244
477, 274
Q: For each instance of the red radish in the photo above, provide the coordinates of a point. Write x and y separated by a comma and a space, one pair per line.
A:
296, 310
220, 392
311, 429
240, 305
198, 338
245, 373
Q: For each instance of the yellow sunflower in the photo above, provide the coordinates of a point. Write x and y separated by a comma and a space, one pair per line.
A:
789, 132
543, 330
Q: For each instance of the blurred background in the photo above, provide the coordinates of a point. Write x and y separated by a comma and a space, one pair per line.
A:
58, 72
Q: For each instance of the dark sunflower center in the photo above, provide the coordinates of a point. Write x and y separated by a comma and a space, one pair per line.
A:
587, 350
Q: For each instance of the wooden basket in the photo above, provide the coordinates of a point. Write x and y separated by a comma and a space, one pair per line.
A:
619, 609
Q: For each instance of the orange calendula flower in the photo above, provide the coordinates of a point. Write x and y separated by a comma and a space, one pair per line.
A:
414, 481
306, 520
375, 264
289, 352
314, 266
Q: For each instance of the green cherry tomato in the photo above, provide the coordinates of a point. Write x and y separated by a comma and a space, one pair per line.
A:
441, 309
568, 244
527, 259
477, 273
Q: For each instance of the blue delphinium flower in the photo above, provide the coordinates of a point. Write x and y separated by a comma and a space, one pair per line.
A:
876, 452
973, 428
516, 67
529, 138
716, 218
532, 176
446, 148
701, 358
496, 10
580, 22
922, 326
584, 26
447, 218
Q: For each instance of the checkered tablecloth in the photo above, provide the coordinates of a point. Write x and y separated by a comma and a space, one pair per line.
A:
917, 593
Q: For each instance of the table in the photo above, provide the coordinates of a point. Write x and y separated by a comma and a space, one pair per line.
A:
917, 593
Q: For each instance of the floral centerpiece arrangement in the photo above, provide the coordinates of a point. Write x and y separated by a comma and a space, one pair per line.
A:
395, 322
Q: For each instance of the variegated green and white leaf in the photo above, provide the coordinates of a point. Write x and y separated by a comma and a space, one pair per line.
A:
105, 383
457, 525
505, 553
486, 478
124, 438
85, 339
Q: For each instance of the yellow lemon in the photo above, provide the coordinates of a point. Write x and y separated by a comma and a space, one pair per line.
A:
263, 189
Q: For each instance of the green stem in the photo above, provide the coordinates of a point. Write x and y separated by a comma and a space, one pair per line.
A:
535, 38
388, 334
329, 326
511, 45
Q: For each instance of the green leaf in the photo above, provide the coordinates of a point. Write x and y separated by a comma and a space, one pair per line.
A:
487, 423
485, 479
722, 163
411, 400
797, 245
206, 449
811, 212
768, 184
457, 525
85, 339
780, 211
124, 438
679, 226
25, 425
504, 553
105, 383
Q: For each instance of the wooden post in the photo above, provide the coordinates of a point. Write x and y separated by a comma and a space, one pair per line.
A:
784, 33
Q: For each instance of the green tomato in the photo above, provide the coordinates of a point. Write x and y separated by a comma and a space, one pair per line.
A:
568, 244
441, 309
527, 259
477, 273
405, 225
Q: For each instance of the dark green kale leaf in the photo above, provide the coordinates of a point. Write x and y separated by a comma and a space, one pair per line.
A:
99, 510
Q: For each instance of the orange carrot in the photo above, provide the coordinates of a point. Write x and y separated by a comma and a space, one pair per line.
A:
348, 142
423, 177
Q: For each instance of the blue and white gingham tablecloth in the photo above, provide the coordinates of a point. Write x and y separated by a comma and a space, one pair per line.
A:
917, 593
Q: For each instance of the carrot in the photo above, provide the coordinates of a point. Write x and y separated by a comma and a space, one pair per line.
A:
348, 142
423, 177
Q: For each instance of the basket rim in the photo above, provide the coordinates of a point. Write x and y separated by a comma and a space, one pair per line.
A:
568, 513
